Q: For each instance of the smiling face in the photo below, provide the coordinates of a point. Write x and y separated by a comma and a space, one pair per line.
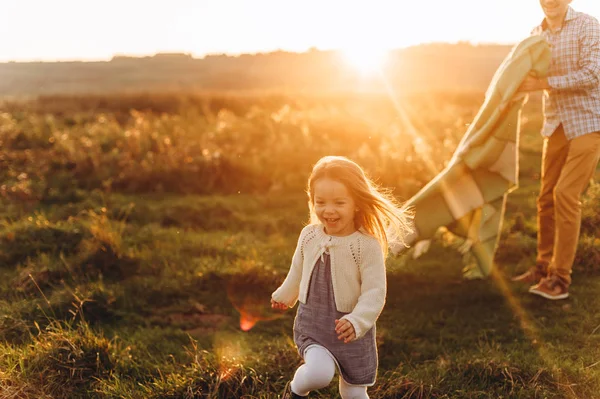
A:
334, 206
555, 10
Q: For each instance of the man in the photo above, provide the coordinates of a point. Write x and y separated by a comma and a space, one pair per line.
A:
571, 144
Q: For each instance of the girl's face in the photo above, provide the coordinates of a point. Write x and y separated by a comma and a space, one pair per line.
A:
334, 207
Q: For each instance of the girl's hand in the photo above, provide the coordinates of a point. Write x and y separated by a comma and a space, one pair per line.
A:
345, 330
278, 305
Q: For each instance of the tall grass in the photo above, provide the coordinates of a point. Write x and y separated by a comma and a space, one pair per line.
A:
214, 149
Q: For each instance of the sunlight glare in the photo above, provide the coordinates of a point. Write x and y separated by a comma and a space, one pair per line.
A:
366, 60
230, 352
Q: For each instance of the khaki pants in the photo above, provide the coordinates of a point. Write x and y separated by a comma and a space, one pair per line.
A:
567, 167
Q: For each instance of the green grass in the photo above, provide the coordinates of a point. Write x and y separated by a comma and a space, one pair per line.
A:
109, 292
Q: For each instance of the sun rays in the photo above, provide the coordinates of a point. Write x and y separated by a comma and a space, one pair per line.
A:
521, 314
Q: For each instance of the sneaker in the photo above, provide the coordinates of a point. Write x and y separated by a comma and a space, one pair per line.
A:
288, 394
531, 276
550, 288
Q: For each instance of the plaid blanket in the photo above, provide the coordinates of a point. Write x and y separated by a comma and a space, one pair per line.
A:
468, 197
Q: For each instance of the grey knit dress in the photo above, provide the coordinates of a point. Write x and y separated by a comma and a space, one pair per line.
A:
315, 325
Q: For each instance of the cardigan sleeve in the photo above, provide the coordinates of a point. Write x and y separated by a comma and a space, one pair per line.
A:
289, 290
372, 290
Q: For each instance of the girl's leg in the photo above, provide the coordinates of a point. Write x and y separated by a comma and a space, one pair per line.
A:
348, 391
316, 372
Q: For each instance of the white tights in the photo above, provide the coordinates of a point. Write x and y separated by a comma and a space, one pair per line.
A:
318, 371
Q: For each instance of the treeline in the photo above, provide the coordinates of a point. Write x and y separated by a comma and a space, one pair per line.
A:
421, 68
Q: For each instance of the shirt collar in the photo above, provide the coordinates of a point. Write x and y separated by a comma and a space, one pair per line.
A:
571, 14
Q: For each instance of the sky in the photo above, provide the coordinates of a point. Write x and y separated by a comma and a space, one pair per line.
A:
34, 30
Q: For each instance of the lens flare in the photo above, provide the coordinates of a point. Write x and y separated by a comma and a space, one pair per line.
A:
230, 351
247, 321
249, 292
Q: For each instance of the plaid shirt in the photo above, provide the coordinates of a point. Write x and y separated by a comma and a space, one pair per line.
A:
574, 75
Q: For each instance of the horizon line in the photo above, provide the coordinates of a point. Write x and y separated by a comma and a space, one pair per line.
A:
196, 56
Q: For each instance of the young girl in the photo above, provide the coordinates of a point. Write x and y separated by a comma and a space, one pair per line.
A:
338, 275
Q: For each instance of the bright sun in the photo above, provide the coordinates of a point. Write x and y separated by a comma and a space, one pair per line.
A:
365, 60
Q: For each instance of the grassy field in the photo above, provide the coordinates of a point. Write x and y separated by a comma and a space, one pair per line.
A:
141, 237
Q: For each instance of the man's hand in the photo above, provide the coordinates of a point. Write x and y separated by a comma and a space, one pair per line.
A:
345, 330
278, 305
534, 84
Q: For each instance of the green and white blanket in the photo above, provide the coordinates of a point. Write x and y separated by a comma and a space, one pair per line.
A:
468, 197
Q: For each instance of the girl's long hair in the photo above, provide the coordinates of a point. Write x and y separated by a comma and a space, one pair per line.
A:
379, 214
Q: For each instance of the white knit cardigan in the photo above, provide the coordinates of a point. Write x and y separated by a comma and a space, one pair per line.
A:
357, 273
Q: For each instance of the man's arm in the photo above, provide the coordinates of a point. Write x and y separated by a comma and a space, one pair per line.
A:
533, 84
588, 75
